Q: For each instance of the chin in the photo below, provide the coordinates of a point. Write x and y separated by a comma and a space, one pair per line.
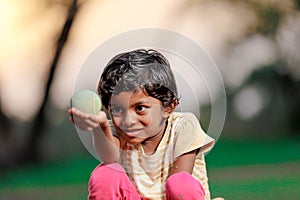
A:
134, 140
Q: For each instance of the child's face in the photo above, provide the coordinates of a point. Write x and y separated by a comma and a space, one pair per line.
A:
138, 117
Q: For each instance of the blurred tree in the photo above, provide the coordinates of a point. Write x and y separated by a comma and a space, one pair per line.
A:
284, 91
31, 152
271, 18
284, 108
4, 124
297, 4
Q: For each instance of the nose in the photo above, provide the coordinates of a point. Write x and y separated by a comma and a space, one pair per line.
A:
129, 118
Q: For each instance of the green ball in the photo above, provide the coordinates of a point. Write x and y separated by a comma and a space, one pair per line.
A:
87, 101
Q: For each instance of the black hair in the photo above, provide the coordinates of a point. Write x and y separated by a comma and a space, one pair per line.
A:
141, 68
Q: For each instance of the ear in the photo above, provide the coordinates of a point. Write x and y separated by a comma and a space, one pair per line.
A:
168, 110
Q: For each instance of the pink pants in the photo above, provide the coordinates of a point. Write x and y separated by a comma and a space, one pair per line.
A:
111, 182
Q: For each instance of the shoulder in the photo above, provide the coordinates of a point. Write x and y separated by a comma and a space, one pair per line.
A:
183, 117
187, 122
189, 134
186, 115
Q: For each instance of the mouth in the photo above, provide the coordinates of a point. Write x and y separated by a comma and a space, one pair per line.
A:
131, 132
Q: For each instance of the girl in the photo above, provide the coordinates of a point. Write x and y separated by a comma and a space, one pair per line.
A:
147, 150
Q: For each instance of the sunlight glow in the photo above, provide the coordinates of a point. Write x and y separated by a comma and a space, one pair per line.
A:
8, 13
26, 50
29, 33
250, 101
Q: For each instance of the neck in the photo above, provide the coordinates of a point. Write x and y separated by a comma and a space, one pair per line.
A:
150, 144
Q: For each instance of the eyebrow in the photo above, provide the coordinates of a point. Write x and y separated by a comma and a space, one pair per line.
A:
136, 103
141, 102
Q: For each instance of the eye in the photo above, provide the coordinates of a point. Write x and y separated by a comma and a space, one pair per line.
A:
116, 110
140, 108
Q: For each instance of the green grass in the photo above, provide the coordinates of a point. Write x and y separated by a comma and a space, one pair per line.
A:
236, 169
248, 152
259, 188
50, 174
56, 180
255, 169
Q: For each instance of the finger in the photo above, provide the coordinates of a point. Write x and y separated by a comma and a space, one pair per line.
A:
81, 124
93, 118
91, 123
86, 126
78, 114
85, 121
71, 119
71, 115
88, 121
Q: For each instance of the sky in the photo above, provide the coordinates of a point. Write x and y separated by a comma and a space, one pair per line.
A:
29, 32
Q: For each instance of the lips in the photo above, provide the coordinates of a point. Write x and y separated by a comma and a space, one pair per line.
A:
131, 132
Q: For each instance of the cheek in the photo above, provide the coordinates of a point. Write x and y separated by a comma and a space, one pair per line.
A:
145, 120
117, 121
153, 120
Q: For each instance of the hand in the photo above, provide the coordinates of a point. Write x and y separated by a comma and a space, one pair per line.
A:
87, 122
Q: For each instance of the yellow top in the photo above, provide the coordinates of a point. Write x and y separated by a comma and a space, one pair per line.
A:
148, 173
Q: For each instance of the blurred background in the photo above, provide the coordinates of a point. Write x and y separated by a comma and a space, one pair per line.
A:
254, 43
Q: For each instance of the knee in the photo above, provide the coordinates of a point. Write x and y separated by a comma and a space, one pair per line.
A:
110, 182
107, 170
183, 185
106, 174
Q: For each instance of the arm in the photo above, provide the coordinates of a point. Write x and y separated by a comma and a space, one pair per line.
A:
184, 162
106, 145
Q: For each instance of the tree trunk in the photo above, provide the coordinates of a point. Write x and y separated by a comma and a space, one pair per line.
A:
31, 153
4, 124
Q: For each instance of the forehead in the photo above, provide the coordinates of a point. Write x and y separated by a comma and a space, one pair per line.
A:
133, 97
